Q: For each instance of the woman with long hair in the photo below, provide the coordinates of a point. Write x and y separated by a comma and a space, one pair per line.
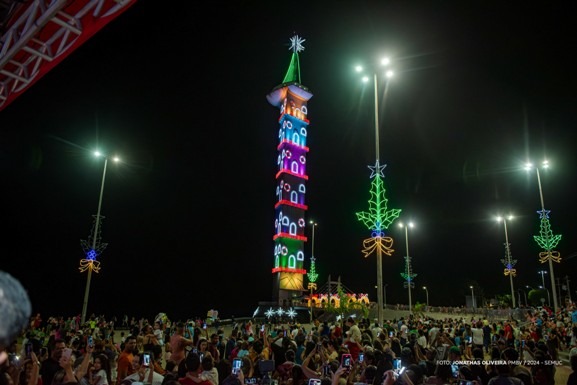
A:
100, 371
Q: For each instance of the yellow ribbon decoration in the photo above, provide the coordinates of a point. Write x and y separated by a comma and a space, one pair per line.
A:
513, 272
89, 264
312, 285
545, 256
379, 243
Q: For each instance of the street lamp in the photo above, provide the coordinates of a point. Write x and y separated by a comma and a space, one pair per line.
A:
312, 275
408, 274
426, 292
548, 294
376, 222
508, 262
96, 248
542, 272
473, 297
546, 240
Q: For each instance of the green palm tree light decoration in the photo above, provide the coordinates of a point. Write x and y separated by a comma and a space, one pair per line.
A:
546, 240
378, 218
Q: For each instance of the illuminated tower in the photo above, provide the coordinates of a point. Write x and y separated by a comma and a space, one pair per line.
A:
291, 98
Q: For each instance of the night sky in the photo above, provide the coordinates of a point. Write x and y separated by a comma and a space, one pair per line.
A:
178, 90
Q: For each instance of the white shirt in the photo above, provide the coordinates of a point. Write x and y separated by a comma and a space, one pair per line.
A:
156, 378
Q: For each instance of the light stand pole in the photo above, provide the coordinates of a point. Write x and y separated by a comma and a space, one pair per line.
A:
408, 274
427, 293
95, 237
508, 262
377, 169
547, 240
473, 297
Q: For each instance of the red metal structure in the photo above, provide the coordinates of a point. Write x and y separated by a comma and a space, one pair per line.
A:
36, 35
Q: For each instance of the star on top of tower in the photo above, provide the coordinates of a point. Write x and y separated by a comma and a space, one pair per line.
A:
296, 43
377, 169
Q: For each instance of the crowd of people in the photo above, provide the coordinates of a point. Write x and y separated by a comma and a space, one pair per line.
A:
415, 350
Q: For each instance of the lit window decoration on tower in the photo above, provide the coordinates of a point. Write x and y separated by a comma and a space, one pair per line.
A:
546, 240
291, 98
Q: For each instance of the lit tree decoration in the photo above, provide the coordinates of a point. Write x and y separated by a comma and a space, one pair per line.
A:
508, 262
270, 313
313, 276
378, 218
408, 275
92, 249
291, 313
546, 240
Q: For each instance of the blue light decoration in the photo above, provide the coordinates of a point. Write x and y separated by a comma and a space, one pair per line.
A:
92, 248
291, 98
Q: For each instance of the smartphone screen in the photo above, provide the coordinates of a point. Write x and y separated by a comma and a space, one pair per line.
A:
523, 343
455, 370
262, 328
315, 381
284, 332
204, 325
146, 360
236, 365
346, 361
28, 350
90, 341
391, 334
361, 357
396, 365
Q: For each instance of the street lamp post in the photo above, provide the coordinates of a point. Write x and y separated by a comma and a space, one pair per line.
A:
548, 294
427, 293
473, 297
95, 237
408, 274
542, 272
547, 239
508, 262
379, 253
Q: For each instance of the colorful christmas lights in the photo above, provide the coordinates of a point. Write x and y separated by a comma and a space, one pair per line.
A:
92, 249
546, 240
378, 218
291, 98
